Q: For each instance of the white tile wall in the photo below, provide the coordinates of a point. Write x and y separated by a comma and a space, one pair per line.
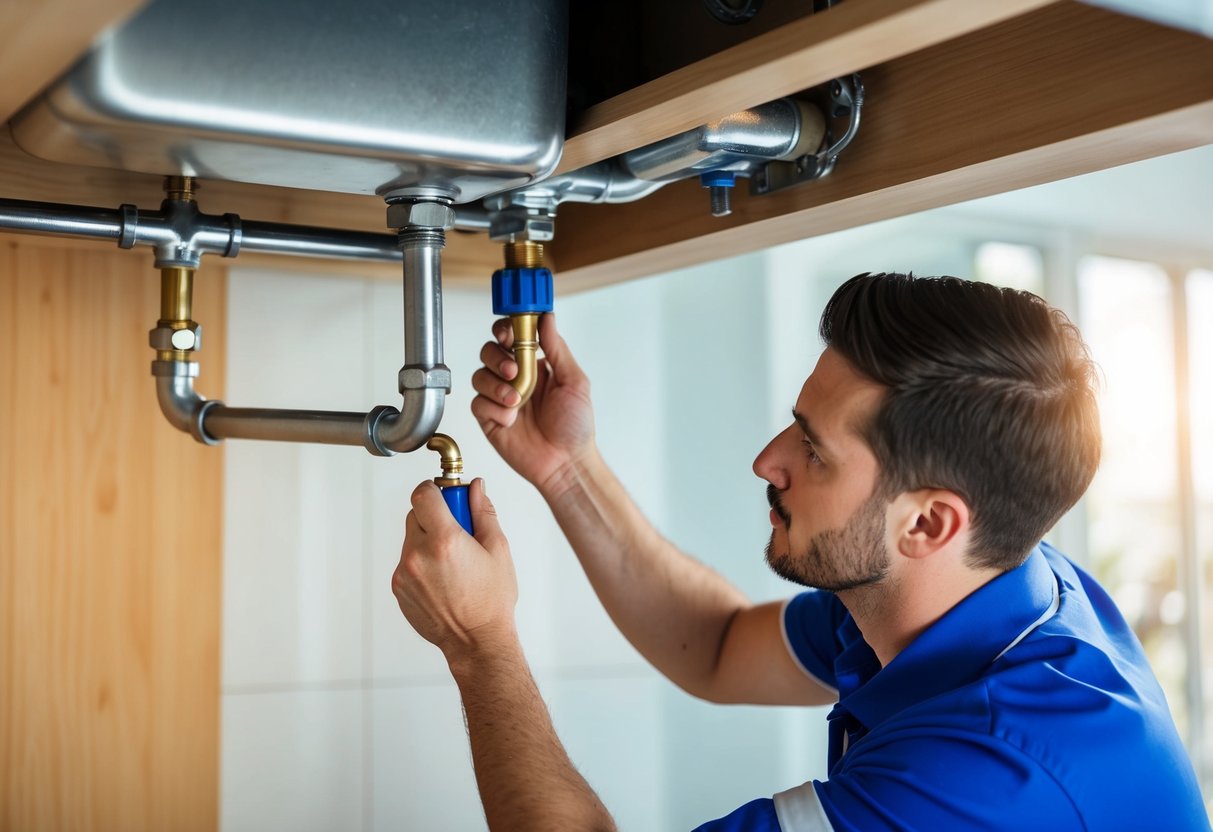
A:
292, 761
293, 541
338, 716
420, 761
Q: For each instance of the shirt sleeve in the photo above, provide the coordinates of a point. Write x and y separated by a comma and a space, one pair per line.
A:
810, 624
756, 816
941, 783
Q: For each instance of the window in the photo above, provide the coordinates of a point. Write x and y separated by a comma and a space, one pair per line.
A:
1012, 265
1150, 508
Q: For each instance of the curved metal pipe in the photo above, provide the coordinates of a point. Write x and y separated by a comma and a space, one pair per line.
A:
526, 346
424, 379
407, 429
184, 408
450, 459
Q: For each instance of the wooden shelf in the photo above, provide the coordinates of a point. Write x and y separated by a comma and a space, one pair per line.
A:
965, 99
1064, 90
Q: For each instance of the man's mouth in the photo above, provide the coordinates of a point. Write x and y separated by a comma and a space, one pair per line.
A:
777, 510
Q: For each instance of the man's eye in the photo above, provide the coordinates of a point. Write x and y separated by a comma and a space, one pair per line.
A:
810, 451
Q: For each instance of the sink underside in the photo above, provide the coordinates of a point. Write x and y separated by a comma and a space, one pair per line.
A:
461, 98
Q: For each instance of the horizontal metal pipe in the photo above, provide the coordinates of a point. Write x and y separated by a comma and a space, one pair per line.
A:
50, 218
196, 232
305, 241
317, 426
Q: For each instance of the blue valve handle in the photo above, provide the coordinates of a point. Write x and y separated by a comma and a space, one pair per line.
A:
456, 497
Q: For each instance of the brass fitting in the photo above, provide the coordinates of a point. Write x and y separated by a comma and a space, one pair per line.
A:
526, 347
176, 335
180, 188
525, 254
450, 459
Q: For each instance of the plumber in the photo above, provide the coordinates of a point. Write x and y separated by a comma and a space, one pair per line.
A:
979, 679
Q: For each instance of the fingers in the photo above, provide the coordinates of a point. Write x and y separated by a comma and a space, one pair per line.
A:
499, 360
488, 384
503, 331
490, 415
484, 515
432, 512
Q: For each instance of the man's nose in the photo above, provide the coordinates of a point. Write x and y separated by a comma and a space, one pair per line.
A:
768, 465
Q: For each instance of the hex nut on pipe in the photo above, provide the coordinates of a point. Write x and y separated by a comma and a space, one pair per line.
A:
420, 378
427, 214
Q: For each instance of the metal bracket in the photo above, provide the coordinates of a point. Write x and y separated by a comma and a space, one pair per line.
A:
846, 101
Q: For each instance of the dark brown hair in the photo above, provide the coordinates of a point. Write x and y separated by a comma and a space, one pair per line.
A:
990, 394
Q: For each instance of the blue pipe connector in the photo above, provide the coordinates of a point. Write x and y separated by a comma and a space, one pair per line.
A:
522, 291
456, 497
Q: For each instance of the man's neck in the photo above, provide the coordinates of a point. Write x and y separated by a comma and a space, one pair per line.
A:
894, 612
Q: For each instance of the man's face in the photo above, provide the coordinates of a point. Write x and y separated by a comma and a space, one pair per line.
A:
828, 525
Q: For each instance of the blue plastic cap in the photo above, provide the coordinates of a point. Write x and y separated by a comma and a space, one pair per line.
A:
456, 497
522, 291
718, 179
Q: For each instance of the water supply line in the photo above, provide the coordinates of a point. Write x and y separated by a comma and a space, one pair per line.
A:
777, 144
180, 235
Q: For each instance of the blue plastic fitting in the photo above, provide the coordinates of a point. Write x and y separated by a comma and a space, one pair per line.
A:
456, 497
522, 291
718, 179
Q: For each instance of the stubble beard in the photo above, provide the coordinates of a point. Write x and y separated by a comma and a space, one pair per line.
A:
837, 559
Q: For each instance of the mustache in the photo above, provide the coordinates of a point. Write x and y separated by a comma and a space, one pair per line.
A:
780, 511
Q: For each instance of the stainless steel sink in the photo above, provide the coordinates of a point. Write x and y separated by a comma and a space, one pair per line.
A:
464, 98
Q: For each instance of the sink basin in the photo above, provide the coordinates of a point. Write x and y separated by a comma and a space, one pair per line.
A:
461, 98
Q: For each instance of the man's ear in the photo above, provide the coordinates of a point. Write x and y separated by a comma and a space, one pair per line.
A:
928, 520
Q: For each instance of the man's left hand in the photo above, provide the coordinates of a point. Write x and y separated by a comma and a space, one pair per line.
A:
458, 591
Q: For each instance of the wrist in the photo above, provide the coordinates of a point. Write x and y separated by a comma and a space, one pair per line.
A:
570, 476
485, 651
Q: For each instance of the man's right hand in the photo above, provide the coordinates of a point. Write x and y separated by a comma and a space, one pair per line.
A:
544, 437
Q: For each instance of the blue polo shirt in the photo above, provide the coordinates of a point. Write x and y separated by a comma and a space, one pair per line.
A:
1028, 705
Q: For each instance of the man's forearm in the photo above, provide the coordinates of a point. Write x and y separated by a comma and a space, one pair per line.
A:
526, 779
672, 608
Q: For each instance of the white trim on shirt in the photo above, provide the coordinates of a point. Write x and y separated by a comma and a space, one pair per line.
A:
799, 810
1054, 606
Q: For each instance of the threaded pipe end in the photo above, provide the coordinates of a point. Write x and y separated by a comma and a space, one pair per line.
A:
523, 254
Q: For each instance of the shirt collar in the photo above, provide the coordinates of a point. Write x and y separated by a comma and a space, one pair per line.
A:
954, 651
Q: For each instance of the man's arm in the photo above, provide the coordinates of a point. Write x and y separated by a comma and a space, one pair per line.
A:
687, 620
526, 779
684, 617
459, 593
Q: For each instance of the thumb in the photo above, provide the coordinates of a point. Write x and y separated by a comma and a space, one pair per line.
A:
484, 515
556, 350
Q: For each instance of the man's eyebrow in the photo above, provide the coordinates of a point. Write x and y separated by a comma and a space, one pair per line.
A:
808, 431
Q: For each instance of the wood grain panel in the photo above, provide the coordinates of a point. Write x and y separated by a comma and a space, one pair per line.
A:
110, 554
1065, 90
794, 57
39, 40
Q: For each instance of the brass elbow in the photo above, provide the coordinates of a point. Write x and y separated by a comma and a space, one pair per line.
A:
450, 459
525, 254
526, 346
